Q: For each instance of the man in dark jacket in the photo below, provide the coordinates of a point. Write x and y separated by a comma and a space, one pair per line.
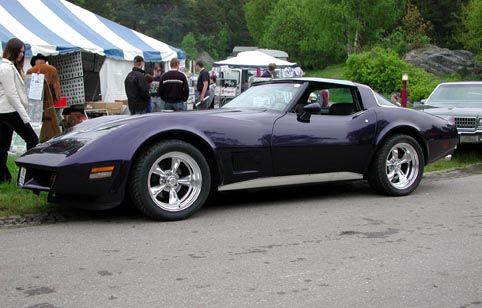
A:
174, 88
137, 88
202, 86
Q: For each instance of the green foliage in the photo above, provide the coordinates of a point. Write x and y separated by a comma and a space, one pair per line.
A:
397, 41
470, 28
414, 27
365, 20
223, 43
442, 14
412, 33
379, 68
322, 40
382, 70
102, 8
284, 29
318, 33
188, 44
256, 13
420, 84
217, 25
314, 33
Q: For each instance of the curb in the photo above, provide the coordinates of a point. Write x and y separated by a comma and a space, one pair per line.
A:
32, 219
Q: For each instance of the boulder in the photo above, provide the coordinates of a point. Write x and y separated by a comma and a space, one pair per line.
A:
441, 61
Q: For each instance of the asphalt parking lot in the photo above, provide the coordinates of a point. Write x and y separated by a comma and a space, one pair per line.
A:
330, 245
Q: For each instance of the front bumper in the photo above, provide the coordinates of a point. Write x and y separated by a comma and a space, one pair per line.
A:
470, 138
469, 129
71, 185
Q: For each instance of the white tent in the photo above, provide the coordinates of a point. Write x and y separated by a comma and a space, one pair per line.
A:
58, 27
253, 59
257, 60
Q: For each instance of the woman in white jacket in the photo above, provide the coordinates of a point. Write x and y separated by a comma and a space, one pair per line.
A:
13, 104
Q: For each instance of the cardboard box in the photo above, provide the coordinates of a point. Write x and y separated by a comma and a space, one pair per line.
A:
110, 107
123, 101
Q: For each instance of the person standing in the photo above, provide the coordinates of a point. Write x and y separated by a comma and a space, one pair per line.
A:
149, 79
270, 72
13, 104
51, 89
137, 88
212, 91
157, 104
173, 87
202, 86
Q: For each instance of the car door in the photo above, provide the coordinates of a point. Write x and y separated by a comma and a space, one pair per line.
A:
328, 143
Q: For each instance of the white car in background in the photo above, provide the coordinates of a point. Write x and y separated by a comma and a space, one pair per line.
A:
462, 101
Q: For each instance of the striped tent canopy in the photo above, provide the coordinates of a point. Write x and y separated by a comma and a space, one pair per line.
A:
53, 27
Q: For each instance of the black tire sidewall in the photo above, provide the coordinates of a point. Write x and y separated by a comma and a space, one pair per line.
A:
140, 172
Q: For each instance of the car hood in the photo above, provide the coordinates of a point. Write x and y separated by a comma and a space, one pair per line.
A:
453, 111
92, 129
132, 130
106, 122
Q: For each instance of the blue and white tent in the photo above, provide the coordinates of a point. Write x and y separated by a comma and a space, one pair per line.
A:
54, 27
57, 27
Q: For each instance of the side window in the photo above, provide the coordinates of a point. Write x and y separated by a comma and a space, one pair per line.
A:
328, 97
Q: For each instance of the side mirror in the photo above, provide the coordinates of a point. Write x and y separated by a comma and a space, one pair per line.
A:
422, 102
308, 110
312, 108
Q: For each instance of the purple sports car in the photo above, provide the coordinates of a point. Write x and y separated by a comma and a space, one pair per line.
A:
280, 132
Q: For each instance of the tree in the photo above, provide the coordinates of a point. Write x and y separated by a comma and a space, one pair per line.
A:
285, 29
103, 8
256, 14
161, 19
470, 29
225, 27
414, 27
442, 14
236, 26
323, 35
188, 44
366, 20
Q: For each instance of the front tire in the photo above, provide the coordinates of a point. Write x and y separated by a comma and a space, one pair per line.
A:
170, 180
397, 168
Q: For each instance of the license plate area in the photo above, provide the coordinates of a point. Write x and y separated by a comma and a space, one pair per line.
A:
469, 139
21, 177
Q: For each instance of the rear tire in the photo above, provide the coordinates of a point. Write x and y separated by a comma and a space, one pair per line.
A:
169, 180
397, 168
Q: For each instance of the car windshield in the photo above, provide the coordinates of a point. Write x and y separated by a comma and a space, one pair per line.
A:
266, 96
456, 95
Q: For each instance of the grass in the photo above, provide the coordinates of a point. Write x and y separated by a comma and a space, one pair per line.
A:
16, 201
463, 157
332, 71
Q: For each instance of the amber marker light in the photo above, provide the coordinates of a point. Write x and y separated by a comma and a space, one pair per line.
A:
101, 172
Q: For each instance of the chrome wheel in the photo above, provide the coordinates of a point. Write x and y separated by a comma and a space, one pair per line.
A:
174, 181
402, 166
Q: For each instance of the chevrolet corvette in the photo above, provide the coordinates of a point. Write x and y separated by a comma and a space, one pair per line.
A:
278, 132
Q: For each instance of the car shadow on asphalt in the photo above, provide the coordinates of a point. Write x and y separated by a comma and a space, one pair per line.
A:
223, 201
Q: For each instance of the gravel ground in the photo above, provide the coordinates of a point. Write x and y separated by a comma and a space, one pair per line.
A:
73, 214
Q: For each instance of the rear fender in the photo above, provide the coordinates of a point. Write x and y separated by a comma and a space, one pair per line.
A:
398, 129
